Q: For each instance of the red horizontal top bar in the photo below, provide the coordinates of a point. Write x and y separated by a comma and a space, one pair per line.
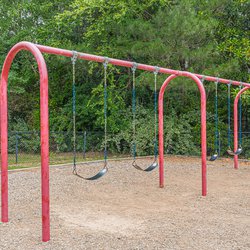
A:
89, 57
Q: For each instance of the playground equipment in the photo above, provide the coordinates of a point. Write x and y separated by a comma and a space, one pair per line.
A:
104, 170
37, 51
236, 100
239, 149
134, 163
216, 140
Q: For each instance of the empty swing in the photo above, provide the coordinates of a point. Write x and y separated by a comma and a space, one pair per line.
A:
216, 140
229, 150
239, 150
104, 170
154, 164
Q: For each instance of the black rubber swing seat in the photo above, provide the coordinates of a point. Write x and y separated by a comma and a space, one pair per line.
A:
148, 169
96, 176
237, 152
214, 157
230, 152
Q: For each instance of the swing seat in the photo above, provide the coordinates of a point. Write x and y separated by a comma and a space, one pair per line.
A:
96, 176
214, 157
148, 169
238, 151
230, 152
151, 167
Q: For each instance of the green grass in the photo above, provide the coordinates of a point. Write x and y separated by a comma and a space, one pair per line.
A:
33, 160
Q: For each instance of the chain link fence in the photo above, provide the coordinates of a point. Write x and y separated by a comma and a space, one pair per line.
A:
24, 147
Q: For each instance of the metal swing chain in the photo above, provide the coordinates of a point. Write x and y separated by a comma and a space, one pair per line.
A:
134, 67
229, 115
73, 60
240, 117
105, 65
216, 117
155, 111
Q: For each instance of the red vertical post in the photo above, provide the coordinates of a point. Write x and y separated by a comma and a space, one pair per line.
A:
4, 147
161, 142
44, 130
203, 105
236, 100
44, 133
236, 161
161, 129
203, 128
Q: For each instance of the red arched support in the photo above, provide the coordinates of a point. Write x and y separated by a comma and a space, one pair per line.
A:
44, 133
203, 128
236, 100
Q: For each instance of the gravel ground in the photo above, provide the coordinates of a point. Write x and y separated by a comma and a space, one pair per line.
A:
126, 209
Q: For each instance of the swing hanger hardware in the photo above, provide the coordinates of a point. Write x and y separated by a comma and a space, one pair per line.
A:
106, 62
157, 69
216, 87
134, 66
74, 56
203, 78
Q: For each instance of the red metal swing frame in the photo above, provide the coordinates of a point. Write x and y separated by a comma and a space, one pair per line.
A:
37, 51
236, 101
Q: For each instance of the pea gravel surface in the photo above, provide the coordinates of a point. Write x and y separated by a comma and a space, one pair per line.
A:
127, 210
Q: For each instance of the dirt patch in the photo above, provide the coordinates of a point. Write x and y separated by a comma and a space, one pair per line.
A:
126, 209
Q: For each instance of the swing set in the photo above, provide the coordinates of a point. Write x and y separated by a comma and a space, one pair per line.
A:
239, 150
37, 51
104, 170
